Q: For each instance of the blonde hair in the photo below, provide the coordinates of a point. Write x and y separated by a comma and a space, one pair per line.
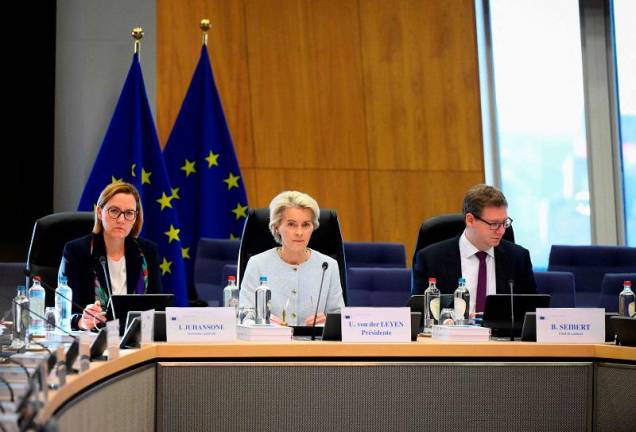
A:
290, 199
107, 194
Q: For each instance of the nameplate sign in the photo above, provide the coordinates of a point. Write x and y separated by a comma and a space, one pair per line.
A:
361, 324
200, 324
571, 325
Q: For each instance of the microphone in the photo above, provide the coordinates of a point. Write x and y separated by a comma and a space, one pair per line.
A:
325, 265
102, 261
511, 284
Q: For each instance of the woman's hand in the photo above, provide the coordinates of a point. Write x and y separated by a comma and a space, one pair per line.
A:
320, 319
92, 317
274, 319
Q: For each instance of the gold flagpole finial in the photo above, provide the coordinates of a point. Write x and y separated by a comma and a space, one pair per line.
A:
137, 34
205, 26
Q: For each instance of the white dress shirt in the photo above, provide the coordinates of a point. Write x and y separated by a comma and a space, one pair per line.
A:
117, 271
470, 269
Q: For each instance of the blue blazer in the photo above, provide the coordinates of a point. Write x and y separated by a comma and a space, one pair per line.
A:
81, 267
442, 261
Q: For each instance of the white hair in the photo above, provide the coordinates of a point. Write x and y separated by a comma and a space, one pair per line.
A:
290, 199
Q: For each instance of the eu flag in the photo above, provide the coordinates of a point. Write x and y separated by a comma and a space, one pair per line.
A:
130, 152
203, 168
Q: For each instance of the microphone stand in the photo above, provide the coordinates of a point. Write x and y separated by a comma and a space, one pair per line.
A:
102, 261
511, 284
322, 279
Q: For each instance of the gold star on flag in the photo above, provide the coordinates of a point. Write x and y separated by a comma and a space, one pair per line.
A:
189, 167
185, 253
165, 201
213, 159
173, 233
232, 181
132, 170
114, 179
165, 266
175, 193
240, 211
145, 176
233, 237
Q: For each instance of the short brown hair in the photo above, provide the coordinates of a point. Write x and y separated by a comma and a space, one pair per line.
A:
110, 191
480, 196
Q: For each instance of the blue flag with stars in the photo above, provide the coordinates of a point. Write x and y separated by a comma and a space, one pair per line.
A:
130, 152
203, 168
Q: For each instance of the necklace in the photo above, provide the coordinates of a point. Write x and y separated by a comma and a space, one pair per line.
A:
279, 250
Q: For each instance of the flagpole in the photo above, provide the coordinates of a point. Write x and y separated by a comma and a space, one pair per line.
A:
137, 34
205, 26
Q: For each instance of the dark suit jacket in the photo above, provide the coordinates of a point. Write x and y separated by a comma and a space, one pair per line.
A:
442, 261
79, 266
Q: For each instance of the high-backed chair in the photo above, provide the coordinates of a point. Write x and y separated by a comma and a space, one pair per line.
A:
589, 264
50, 234
443, 227
374, 254
379, 286
11, 275
611, 286
327, 239
212, 255
560, 286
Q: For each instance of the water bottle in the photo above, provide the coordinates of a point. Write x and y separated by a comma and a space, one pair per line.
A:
461, 301
63, 303
431, 305
626, 300
231, 294
21, 319
37, 297
263, 302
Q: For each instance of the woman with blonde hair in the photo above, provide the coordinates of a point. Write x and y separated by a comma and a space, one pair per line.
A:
114, 251
294, 271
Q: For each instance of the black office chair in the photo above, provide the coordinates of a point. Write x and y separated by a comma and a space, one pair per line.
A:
327, 239
50, 234
443, 227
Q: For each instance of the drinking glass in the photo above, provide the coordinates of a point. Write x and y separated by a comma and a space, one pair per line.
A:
447, 317
51, 319
247, 315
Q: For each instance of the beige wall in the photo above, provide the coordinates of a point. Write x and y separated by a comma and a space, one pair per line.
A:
371, 106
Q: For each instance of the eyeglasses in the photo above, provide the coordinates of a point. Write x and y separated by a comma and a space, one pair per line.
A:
114, 213
507, 223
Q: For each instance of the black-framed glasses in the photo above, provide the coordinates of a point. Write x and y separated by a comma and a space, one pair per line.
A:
114, 213
507, 223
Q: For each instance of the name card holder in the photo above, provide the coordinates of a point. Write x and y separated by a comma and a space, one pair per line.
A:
201, 324
570, 325
379, 325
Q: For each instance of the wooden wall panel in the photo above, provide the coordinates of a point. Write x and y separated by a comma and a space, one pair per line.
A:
422, 87
306, 84
370, 106
346, 191
401, 201
179, 47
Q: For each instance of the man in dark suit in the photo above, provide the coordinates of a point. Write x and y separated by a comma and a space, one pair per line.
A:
479, 254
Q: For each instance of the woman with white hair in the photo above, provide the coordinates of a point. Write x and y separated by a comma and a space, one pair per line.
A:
293, 270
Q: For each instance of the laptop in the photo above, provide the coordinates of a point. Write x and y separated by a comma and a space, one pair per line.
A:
159, 326
625, 330
416, 303
333, 326
124, 303
497, 312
